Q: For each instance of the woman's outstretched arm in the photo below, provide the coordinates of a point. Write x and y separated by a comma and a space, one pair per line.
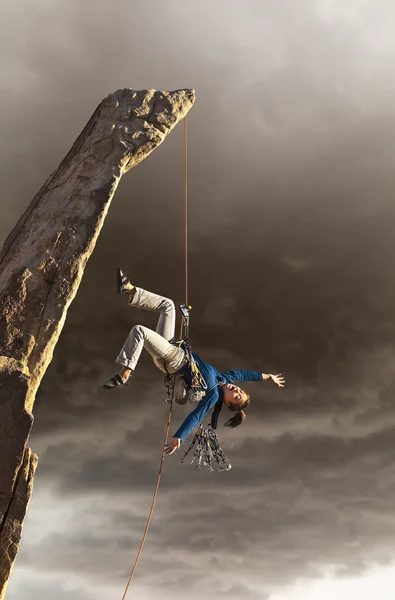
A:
243, 375
277, 379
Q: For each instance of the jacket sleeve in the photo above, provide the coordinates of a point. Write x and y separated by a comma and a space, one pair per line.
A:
197, 415
241, 375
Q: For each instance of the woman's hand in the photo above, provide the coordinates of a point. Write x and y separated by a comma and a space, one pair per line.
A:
277, 379
173, 445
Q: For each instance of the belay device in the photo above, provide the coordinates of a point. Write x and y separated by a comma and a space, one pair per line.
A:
208, 449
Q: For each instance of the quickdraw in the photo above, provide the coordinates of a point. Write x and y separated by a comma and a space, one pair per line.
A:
207, 450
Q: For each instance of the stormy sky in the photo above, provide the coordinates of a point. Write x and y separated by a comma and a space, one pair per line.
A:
292, 256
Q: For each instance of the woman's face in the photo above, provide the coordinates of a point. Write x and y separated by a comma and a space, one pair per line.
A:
233, 395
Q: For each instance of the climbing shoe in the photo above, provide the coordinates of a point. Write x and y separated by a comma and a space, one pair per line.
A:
123, 284
115, 381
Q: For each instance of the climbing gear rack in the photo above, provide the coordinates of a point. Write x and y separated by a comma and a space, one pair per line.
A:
207, 451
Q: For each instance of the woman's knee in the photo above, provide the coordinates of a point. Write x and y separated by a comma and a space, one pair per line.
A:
138, 331
168, 305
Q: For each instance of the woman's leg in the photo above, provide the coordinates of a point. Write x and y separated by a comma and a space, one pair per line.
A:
167, 312
141, 337
167, 357
149, 301
162, 351
155, 342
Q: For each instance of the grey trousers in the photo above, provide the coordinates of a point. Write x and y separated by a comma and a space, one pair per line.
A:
167, 357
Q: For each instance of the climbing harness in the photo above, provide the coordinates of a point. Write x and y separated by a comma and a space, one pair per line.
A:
196, 390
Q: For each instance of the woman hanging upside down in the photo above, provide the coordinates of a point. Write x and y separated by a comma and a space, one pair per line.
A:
171, 358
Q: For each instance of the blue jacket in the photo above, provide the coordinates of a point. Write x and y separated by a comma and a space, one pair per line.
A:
212, 376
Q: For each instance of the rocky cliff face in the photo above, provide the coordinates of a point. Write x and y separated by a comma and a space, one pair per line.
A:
41, 266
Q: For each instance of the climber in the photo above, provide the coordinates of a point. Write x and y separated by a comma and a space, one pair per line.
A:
171, 358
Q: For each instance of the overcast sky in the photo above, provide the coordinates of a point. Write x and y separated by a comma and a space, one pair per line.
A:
292, 256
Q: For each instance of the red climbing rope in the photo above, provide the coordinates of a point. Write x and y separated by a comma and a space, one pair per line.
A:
172, 379
186, 206
154, 496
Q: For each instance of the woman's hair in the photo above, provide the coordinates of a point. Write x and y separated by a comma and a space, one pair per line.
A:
240, 415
